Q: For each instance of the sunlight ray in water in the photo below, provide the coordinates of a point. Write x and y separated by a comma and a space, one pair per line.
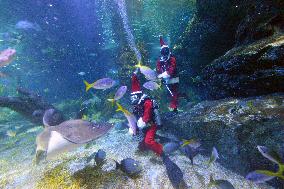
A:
141, 94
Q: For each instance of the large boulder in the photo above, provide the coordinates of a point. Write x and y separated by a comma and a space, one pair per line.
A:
249, 70
235, 127
228, 33
263, 19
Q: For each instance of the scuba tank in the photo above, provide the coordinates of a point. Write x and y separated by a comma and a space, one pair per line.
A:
139, 110
156, 114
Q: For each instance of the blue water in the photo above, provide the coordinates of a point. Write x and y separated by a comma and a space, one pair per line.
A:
76, 36
61, 43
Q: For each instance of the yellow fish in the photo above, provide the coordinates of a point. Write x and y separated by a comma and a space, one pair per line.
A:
11, 133
146, 71
84, 117
139, 65
274, 157
104, 83
120, 108
118, 95
130, 118
89, 85
187, 142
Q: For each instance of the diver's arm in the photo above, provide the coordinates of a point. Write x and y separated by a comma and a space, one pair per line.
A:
159, 67
134, 80
148, 111
147, 116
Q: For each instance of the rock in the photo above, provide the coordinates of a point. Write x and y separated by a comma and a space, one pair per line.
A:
251, 67
251, 70
263, 19
109, 165
28, 104
235, 127
120, 126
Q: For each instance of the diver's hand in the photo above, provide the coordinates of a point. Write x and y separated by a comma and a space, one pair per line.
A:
164, 75
130, 131
136, 71
140, 123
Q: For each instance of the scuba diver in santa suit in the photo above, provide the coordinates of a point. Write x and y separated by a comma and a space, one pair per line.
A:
167, 71
147, 112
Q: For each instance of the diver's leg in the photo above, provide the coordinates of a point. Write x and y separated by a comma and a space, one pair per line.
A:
150, 142
174, 98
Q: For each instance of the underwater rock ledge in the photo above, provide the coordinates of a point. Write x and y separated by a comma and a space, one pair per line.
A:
235, 127
28, 104
233, 46
252, 70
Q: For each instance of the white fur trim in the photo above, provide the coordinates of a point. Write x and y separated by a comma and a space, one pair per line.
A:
164, 75
164, 46
142, 98
137, 92
140, 123
130, 131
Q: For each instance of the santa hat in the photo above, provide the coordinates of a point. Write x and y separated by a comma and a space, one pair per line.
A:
162, 43
135, 85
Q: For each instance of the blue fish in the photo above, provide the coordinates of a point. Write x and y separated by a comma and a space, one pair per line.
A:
129, 166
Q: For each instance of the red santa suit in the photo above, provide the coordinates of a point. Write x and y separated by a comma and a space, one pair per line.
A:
144, 110
168, 70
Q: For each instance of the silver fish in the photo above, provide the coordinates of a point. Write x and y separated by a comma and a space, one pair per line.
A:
171, 147
151, 85
269, 154
120, 92
104, 83
147, 72
214, 156
191, 152
82, 73
130, 166
220, 184
132, 121
258, 177
100, 157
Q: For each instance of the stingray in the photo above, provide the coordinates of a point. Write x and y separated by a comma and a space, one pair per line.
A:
53, 141
52, 117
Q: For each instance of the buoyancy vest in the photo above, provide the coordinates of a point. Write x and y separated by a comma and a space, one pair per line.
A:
139, 109
164, 67
166, 64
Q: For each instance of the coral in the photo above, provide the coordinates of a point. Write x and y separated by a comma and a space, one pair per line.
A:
58, 177
69, 107
250, 70
127, 60
96, 116
8, 115
93, 177
4, 182
88, 177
